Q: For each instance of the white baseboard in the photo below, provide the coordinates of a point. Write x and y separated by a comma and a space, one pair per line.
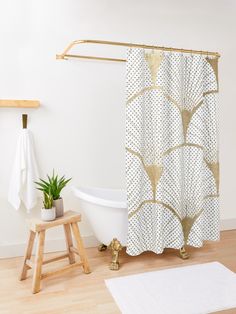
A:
51, 245
227, 224
55, 245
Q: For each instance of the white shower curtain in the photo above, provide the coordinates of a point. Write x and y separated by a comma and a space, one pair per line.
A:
172, 166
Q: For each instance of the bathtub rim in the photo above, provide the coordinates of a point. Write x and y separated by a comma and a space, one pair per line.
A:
89, 197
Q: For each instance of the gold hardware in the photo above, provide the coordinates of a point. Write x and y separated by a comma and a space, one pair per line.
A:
94, 58
102, 247
183, 253
24, 121
65, 54
115, 247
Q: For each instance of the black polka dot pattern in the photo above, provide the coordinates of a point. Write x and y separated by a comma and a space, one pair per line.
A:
172, 168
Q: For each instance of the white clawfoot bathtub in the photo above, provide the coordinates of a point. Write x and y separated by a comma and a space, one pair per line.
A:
106, 210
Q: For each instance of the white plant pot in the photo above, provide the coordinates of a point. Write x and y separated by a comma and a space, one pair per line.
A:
48, 214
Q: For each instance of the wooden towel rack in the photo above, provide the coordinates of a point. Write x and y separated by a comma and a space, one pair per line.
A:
8, 103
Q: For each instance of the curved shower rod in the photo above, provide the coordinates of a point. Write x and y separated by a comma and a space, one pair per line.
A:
65, 55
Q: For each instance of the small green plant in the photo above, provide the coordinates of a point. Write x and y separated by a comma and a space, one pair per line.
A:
53, 186
48, 200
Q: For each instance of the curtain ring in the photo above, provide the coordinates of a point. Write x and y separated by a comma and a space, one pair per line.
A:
162, 50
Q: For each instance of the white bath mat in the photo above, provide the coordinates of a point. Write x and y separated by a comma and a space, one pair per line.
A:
197, 289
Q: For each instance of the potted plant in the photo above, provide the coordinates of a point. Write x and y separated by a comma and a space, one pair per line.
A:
54, 185
48, 212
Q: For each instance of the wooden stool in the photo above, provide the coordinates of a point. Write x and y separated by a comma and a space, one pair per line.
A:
37, 226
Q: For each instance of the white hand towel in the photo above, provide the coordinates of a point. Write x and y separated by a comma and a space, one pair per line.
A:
24, 173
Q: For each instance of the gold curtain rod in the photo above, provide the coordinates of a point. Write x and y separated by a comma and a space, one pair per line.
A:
65, 55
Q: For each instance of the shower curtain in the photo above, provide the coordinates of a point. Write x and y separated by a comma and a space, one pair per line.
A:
172, 166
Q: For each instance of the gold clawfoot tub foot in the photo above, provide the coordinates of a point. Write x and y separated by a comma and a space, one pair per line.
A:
183, 253
115, 247
102, 247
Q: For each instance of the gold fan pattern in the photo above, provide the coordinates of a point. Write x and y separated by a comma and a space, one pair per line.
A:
172, 167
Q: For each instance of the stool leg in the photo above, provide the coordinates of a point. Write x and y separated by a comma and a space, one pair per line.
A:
80, 247
69, 243
28, 254
38, 262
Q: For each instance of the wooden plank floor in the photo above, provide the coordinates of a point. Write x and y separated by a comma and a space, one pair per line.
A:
75, 292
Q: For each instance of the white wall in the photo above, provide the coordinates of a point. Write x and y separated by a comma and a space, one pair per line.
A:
79, 129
